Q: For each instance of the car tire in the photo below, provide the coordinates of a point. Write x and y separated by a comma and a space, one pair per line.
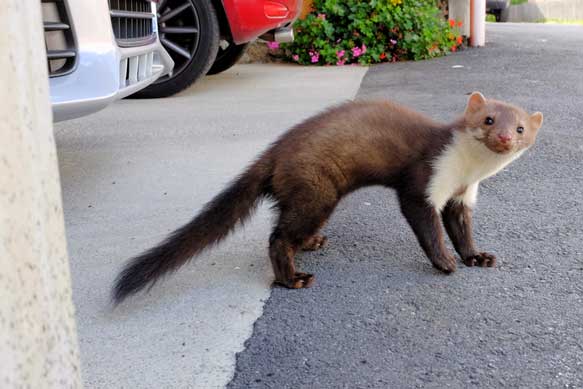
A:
504, 15
497, 13
227, 58
191, 37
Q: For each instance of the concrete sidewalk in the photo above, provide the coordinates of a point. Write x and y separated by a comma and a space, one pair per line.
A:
141, 168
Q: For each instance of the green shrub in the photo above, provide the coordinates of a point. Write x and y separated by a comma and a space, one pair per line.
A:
339, 32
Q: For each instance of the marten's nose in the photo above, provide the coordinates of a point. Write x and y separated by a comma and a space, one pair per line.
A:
504, 137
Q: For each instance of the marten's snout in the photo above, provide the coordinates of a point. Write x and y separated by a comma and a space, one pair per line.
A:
504, 137
500, 141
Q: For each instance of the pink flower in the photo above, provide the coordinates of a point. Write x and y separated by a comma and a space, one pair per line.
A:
393, 42
322, 16
273, 45
296, 57
363, 48
356, 52
315, 57
340, 53
340, 62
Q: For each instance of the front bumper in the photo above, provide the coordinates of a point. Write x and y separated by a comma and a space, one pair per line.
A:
104, 71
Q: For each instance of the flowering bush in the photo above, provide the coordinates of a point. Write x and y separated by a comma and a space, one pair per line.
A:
339, 32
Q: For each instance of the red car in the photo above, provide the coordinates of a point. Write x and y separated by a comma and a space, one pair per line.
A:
209, 36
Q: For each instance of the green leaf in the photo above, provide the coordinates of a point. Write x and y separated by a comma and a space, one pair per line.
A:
416, 24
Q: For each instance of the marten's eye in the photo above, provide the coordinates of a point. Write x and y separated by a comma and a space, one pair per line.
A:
520, 130
489, 121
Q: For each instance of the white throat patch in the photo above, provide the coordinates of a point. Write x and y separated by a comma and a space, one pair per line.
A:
458, 170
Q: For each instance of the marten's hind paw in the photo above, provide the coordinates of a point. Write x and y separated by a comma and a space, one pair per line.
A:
298, 281
482, 260
314, 243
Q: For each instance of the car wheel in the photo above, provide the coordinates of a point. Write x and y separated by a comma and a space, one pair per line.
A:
189, 31
227, 57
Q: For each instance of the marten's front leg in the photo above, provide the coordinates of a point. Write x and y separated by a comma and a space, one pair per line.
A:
424, 220
457, 219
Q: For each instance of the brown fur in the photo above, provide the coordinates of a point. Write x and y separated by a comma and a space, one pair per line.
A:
307, 171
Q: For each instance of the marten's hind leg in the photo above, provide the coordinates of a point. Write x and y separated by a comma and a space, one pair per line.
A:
316, 241
282, 252
295, 227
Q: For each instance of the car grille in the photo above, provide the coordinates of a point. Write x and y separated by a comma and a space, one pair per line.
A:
132, 22
59, 38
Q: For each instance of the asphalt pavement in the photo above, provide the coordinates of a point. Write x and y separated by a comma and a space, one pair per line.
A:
379, 316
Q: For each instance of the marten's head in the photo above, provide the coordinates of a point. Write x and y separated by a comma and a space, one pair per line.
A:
502, 127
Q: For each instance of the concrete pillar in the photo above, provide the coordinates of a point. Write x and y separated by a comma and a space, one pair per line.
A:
460, 10
38, 343
477, 23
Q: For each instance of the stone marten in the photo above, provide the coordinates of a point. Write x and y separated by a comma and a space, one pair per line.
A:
435, 169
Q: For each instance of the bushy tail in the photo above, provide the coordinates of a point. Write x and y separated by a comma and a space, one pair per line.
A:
211, 225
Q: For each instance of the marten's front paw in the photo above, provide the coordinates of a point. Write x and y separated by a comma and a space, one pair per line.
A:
446, 263
482, 260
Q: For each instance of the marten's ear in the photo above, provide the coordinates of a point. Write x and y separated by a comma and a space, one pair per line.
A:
475, 102
536, 119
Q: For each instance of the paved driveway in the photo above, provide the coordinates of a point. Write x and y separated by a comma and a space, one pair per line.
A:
141, 168
380, 317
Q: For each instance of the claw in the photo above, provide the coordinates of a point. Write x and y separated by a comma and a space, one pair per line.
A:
481, 259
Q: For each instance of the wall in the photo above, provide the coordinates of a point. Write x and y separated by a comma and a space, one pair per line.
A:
38, 340
534, 11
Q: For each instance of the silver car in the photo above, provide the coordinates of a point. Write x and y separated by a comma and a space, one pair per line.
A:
100, 51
